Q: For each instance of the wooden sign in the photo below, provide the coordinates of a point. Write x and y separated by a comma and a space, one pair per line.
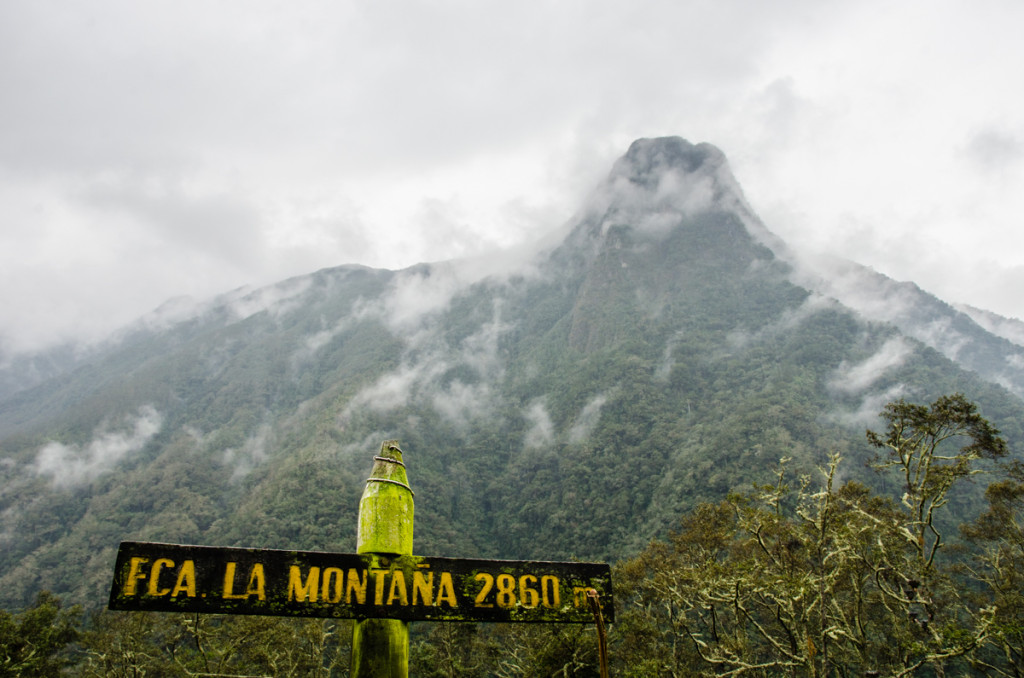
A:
177, 578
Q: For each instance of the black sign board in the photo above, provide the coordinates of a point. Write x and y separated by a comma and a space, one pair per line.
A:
176, 578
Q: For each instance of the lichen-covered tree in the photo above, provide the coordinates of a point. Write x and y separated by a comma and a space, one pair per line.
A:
818, 579
999, 567
33, 642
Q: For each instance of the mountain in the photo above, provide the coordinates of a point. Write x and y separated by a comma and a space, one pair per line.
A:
667, 350
977, 340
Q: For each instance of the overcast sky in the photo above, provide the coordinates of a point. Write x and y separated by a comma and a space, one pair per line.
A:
155, 149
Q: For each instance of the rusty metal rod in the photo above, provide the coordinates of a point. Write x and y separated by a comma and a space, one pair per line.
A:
602, 638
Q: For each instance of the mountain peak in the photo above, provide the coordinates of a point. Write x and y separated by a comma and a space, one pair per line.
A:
647, 159
663, 183
670, 174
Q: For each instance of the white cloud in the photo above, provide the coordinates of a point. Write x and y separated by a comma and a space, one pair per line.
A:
879, 298
542, 429
252, 453
418, 293
587, 419
459, 403
664, 369
789, 319
395, 389
480, 349
1007, 328
153, 150
996, 151
71, 465
866, 413
277, 299
861, 376
420, 377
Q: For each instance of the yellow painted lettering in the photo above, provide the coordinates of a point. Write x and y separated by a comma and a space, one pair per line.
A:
297, 590
329, 593
257, 583
154, 577
422, 588
506, 585
229, 583
186, 580
446, 591
488, 581
378, 586
528, 596
549, 595
356, 586
397, 590
135, 573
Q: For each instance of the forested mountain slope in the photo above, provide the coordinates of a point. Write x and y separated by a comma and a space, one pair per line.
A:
666, 351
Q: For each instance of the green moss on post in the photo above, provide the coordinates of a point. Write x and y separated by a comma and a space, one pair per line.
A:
380, 647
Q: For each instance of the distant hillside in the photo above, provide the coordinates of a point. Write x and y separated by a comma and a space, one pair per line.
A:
667, 351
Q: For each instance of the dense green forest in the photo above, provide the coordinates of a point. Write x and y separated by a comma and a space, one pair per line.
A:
800, 575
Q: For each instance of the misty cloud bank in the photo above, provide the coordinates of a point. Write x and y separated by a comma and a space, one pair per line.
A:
856, 378
252, 453
1008, 328
787, 321
587, 419
239, 304
73, 465
541, 431
659, 182
415, 298
425, 290
965, 335
423, 375
866, 413
878, 298
662, 182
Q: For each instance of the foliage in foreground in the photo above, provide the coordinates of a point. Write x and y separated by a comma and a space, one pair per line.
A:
31, 643
827, 579
804, 576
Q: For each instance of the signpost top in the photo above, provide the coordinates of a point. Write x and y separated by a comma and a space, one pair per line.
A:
178, 578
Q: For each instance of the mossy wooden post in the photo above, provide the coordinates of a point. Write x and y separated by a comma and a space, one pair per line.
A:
380, 647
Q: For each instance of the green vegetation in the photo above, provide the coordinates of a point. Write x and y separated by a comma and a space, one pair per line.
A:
805, 575
33, 642
828, 579
141, 644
